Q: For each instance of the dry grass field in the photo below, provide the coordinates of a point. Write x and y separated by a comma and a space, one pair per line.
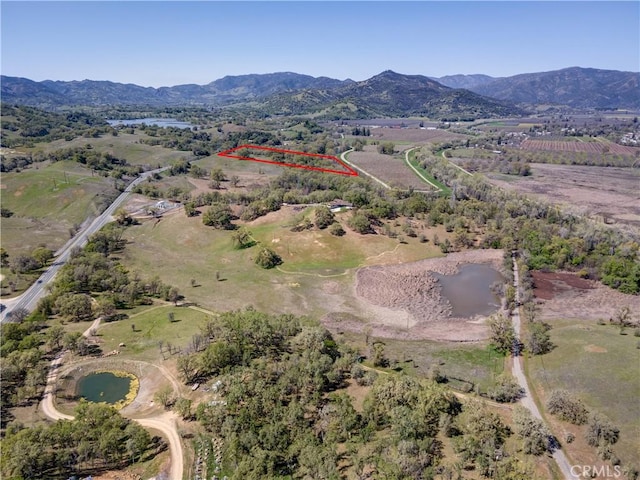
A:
606, 193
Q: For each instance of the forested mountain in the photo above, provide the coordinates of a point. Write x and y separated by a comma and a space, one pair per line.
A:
50, 93
388, 93
576, 87
392, 94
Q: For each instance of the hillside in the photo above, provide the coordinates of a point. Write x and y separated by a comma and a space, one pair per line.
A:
51, 94
391, 94
576, 87
385, 94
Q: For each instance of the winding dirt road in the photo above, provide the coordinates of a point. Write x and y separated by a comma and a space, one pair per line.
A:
165, 423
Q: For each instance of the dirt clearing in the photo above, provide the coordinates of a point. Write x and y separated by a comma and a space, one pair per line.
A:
565, 295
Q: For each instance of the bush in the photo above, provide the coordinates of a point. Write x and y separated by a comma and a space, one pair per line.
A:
267, 258
566, 407
532, 431
601, 432
323, 217
336, 229
507, 390
361, 223
538, 339
386, 148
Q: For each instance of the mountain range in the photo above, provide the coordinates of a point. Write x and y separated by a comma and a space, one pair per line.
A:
386, 94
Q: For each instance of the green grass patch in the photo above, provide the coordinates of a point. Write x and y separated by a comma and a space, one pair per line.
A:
47, 201
601, 367
142, 331
180, 249
61, 191
445, 191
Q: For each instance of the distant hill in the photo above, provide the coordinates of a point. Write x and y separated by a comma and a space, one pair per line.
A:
97, 93
464, 81
392, 94
576, 87
388, 93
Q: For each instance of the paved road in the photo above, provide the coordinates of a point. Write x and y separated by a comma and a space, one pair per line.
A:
29, 299
518, 372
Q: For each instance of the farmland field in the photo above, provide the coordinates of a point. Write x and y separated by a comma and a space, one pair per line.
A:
606, 193
414, 135
602, 146
390, 169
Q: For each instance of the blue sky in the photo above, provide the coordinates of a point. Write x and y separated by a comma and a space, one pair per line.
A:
158, 43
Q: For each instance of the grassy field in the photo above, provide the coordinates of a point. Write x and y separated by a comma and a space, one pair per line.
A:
142, 331
390, 169
180, 249
601, 367
463, 364
125, 146
46, 202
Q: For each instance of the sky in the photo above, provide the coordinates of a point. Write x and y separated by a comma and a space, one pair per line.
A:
164, 43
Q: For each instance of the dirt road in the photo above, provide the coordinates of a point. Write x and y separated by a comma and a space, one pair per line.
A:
518, 372
165, 423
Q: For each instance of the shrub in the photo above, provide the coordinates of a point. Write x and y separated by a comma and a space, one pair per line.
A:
507, 390
361, 223
601, 433
538, 339
336, 229
267, 258
566, 407
532, 431
323, 217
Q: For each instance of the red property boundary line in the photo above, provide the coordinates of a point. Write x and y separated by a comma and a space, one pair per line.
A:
349, 171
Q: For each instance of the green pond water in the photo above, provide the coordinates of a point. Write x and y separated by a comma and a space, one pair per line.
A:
104, 387
469, 290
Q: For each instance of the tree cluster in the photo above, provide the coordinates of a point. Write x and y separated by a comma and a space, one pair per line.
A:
97, 438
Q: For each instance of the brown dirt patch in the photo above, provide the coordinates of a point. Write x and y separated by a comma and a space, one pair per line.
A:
579, 301
595, 349
404, 301
548, 285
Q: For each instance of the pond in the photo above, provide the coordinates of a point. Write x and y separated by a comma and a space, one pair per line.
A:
159, 122
104, 387
469, 290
